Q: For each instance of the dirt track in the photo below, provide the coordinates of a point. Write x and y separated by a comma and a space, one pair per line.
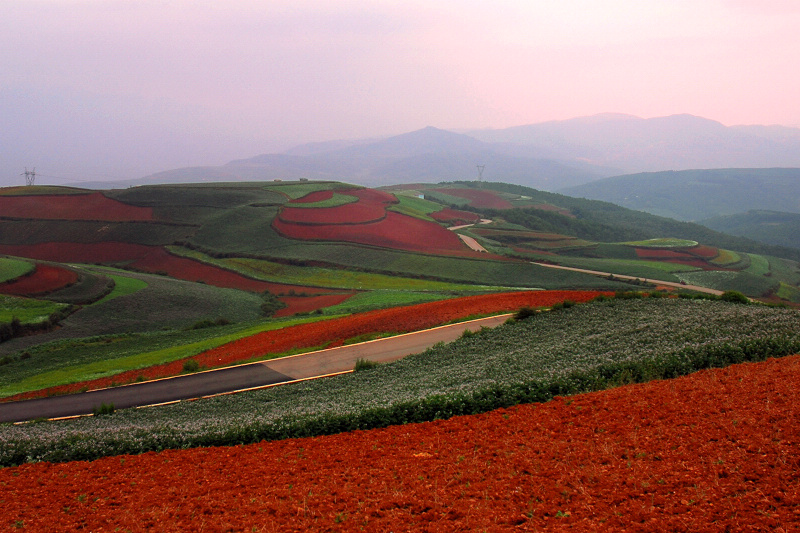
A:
631, 278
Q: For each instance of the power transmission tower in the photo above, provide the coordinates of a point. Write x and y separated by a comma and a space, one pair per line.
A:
480, 174
30, 176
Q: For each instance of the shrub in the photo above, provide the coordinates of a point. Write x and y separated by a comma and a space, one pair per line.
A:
191, 365
524, 312
734, 297
104, 409
364, 364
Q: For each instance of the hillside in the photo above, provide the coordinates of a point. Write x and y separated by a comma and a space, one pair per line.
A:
164, 274
693, 195
772, 227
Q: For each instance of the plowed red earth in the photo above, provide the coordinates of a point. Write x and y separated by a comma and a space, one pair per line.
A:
335, 331
306, 304
45, 279
712, 452
94, 206
394, 230
150, 259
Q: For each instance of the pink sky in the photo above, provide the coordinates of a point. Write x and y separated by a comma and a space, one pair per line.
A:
204, 82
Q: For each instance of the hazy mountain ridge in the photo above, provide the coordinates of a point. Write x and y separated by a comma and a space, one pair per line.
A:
550, 155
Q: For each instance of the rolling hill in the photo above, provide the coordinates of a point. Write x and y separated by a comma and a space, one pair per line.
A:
693, 195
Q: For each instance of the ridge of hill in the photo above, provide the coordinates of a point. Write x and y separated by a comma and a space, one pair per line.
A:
676, 142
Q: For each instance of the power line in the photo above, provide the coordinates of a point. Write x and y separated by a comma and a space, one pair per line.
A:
30, 176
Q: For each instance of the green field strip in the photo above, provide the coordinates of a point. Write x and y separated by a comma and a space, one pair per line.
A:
336, 200
27, 310
789, 292
38, 190
112, 366
295, 190
319, 276
123, 286
415, 206
381, 299
759, 265
13, 268
666, 242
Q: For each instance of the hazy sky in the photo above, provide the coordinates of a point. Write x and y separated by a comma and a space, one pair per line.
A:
118, 88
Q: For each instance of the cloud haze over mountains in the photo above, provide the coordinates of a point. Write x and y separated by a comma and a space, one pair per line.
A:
117, 89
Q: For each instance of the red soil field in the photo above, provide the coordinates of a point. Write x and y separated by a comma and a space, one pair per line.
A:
479, 198
455, 216
658, 253
334, 332
370, 207
150, 259
306, 304
316, 196
94, 206
706, 252
715, 451
45, 279
395, 231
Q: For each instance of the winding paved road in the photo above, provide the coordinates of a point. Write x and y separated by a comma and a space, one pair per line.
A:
241, 377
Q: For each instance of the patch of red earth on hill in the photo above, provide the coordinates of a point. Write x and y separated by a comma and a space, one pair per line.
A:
395, 231
706, 252
313, 197
370, 207
478, 198
660, 253
715, 451
43, 280
454, 216
307, 304
335, 331
153, 259
94, 206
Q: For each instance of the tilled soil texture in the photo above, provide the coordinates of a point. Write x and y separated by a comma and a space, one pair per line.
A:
715, 451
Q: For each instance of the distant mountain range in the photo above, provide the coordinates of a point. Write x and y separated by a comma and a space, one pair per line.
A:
547, 156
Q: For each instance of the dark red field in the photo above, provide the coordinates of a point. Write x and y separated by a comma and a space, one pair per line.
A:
93, 206
394, 230
717, 451
43, 280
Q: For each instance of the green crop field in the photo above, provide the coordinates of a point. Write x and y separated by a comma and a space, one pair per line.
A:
335, 201
759, 265
380, 299
294, 190
415, 207
586, 347
13, 268
123, 286
663, 243
27, 310
319, 276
